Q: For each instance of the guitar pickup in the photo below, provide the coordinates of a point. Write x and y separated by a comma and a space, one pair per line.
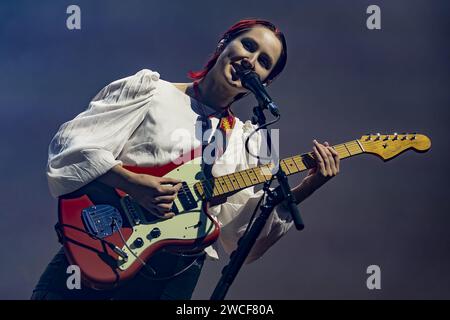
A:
186, 197
132, 210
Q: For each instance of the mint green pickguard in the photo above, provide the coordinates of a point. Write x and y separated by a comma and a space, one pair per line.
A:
187, 225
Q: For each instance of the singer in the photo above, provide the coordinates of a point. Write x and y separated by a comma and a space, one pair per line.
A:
131, 122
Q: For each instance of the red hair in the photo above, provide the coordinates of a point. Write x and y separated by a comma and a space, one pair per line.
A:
234, 31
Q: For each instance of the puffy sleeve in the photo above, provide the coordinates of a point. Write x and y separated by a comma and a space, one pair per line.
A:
87, 146
236, 212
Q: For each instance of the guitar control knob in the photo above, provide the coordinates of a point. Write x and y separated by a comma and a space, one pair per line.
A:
138, 242
155, 233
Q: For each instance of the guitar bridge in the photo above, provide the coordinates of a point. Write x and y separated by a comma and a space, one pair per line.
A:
102, 220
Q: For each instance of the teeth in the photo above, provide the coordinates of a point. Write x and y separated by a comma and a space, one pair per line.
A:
234, 76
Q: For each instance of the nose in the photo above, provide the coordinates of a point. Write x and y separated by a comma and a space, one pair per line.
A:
247, 64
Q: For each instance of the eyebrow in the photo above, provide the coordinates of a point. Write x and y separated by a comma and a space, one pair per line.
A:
269, 59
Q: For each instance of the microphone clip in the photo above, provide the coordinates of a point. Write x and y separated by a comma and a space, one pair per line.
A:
251, 81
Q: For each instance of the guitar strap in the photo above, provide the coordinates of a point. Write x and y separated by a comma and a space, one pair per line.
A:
218, 148
226, 123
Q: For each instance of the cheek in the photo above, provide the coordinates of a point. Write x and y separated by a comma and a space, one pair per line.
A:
233, 50
224, 57
219, 65
263, 73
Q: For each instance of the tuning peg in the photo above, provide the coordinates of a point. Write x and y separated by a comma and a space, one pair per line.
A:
405, 136
369, 137
386, 137
395, 136
378, 136
414, 136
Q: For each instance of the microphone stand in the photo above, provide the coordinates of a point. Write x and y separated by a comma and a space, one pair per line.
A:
273, 198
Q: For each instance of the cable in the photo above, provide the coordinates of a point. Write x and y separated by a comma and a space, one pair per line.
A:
147, 267
250, 222
173, 275
252, 218
129, 249
247, 140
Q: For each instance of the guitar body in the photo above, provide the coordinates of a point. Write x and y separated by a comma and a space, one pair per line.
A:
92, 239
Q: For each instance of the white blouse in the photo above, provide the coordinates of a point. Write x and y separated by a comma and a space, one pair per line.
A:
143, 120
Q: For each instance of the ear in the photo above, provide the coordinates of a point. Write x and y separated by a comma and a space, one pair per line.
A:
221, 44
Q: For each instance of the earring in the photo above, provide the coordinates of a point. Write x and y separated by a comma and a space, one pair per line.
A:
221, 44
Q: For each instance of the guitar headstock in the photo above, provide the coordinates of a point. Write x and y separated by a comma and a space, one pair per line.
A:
387, 146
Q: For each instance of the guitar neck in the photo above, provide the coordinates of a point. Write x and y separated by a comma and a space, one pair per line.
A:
250, 177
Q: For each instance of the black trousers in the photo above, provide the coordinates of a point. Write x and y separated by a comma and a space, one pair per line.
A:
52, 284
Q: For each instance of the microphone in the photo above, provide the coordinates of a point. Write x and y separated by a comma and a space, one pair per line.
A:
251, 81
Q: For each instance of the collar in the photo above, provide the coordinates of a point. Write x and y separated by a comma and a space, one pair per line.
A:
225, 115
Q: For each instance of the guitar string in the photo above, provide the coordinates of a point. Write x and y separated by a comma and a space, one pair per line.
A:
342, 147
351, 148
100, 215
253, 169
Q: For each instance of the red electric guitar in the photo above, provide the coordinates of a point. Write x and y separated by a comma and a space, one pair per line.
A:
111, 237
